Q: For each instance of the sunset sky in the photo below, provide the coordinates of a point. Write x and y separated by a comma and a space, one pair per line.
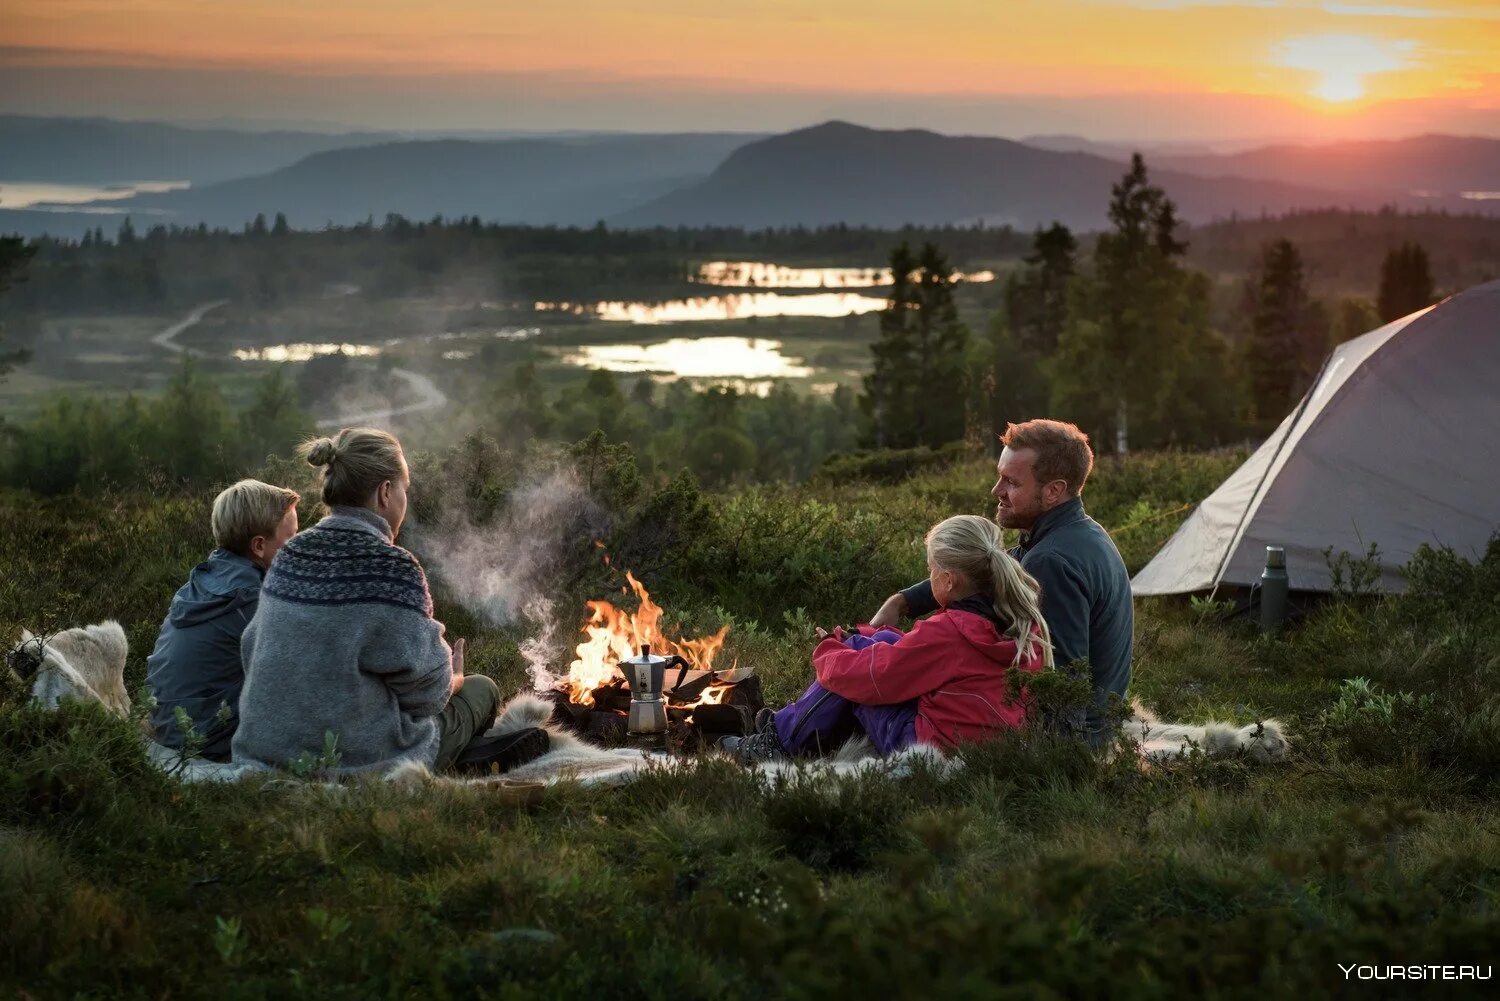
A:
1109, 69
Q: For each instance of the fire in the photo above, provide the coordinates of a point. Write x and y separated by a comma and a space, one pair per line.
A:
614, 635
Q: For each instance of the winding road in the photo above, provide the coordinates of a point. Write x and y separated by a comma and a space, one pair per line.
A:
168, 337
429, 396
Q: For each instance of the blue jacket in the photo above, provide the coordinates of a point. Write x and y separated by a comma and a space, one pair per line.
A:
196, 663
1085, 600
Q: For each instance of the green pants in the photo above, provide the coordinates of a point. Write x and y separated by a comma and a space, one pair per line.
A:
468, 714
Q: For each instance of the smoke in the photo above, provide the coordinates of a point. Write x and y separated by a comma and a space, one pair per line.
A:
504, 572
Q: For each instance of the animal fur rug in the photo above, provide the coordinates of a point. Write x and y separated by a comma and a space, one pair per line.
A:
89, 663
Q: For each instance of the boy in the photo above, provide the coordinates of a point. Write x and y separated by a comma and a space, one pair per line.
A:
196, 663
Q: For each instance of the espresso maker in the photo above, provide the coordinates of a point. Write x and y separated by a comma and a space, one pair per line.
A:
645, 675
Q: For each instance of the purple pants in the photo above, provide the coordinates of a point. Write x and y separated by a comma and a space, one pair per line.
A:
820, 721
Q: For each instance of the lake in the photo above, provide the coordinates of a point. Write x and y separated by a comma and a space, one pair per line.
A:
43, 196
693, 358
764, 274
737, 306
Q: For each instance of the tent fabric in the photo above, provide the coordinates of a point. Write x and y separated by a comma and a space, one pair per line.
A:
1396, 444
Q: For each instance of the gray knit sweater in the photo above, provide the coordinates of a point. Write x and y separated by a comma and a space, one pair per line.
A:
343, 641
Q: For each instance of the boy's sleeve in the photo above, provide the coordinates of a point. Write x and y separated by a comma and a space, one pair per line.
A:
882, 673
410, 655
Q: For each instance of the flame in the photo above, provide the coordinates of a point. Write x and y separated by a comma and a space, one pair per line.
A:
614, 634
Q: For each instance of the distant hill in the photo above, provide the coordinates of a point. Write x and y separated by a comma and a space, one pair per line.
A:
100, 150
1444, 165
540, 181
838, 172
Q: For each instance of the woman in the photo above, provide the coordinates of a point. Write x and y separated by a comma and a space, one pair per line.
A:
943, 683
344, 642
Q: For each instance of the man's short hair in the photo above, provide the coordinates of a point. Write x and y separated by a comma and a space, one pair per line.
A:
1062, 451
247, 509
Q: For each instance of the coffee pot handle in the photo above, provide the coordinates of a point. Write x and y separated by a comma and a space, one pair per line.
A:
682, 669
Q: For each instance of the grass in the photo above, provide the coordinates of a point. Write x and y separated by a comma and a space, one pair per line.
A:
1035, 870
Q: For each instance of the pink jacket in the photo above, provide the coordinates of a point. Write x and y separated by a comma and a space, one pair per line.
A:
954, 663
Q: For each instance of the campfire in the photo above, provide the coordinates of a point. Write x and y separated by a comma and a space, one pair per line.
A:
701, 701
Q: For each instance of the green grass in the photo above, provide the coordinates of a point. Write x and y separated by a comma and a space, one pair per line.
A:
1035, 870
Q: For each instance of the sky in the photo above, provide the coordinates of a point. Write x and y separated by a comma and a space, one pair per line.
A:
1165, 70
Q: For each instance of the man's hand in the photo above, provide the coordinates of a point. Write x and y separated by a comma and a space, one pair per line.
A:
458, 667
837, 633
891, 613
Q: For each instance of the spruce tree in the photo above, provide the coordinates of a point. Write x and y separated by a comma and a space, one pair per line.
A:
1138, 282
1137, 360
1288, 332
1027, 331
1405, 282
915, 392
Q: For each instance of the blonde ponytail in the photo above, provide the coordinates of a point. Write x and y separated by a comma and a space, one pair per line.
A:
973, 546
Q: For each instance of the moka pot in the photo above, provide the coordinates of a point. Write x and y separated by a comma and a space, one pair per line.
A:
645, 675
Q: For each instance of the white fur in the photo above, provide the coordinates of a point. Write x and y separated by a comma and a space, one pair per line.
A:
86, 663
1264, 741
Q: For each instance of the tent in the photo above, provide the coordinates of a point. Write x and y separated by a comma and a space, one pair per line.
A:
1397, 443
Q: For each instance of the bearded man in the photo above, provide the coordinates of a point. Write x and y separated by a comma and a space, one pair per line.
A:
1085, 587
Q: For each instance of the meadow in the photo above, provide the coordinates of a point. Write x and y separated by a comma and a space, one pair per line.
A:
1037, 869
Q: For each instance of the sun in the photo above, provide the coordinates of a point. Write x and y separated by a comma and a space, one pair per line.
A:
1342, 62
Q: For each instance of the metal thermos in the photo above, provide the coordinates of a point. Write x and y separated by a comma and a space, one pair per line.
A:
1274, 585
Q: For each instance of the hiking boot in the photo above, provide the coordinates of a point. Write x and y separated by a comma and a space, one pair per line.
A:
763, 745
506, 751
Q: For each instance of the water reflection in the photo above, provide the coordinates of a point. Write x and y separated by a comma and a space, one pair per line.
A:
723, 307
305, 352
763, 274
703, 358
43, 195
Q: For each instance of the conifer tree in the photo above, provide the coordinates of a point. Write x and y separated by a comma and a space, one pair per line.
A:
915, 393
1288, 332
1405, 282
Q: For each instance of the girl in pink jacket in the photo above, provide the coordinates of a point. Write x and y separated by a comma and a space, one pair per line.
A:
944, 682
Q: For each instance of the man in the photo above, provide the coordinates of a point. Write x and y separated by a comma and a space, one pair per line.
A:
196, 664
1085, 588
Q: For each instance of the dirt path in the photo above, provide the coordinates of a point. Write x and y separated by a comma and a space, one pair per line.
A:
168, 337
430, 398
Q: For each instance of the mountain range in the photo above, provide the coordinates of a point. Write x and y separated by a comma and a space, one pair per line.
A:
829, 173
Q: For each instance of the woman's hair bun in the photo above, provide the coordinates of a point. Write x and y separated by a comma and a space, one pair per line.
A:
320, 451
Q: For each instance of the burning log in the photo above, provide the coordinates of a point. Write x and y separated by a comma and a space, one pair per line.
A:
700, 703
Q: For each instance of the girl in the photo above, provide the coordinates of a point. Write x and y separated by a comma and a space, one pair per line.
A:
944, 682
344, 641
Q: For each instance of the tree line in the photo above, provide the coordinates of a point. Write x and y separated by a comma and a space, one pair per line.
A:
1119, 341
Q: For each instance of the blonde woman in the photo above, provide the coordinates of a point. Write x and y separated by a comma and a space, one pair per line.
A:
344, 641
943, 683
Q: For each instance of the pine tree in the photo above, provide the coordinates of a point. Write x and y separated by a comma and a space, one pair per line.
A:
1288, 332
280, 228
1405, 282
273, 421
915, 392
1137, 359
1138, 278
127, 233
1027, 331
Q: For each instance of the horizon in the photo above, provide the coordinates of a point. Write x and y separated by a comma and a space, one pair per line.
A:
1150, 71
